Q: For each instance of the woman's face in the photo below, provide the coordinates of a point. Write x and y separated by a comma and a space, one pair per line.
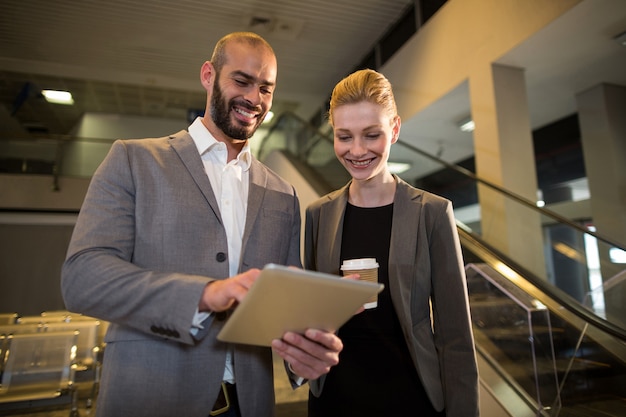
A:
363, 134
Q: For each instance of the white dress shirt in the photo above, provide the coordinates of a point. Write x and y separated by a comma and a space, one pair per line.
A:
230, 183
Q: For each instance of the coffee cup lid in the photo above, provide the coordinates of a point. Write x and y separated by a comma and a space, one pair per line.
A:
362, 263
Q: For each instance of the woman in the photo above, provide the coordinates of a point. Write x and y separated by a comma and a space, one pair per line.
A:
414, 353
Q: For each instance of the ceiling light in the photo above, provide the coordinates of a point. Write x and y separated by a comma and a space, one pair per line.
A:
466, 125
617, 255
398, 167
58, 97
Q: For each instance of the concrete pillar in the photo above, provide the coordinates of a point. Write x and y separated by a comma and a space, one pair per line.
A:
601, 111
505, 156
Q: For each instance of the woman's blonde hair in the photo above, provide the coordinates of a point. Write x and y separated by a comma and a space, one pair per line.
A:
363, 85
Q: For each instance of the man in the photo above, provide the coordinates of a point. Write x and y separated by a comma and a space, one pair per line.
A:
171, 236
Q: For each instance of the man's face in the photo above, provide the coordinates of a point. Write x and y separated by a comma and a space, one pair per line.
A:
243, 91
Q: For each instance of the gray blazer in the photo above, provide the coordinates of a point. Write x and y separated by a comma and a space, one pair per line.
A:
425, 266
149, 237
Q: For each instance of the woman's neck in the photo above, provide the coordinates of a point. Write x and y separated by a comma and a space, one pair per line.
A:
374, 192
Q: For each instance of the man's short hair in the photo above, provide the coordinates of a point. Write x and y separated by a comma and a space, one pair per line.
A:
218, 59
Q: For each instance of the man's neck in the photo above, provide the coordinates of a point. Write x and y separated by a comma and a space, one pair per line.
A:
234, 146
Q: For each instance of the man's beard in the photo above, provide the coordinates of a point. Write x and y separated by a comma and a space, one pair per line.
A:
220, 114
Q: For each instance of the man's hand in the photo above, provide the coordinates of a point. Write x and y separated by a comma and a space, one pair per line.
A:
220, 295
310, 355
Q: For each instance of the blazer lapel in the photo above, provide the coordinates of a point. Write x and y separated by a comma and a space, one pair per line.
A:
332, 214
184, 146
256, 192
406, 214
406, 211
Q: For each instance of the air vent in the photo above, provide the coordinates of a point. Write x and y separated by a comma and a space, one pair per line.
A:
265, 24
260, 23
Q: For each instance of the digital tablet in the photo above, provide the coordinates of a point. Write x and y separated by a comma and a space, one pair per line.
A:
289, 299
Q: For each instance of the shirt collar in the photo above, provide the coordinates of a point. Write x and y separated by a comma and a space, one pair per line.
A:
205, 142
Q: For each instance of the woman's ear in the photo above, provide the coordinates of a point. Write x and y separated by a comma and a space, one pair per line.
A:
207, 75
395, 129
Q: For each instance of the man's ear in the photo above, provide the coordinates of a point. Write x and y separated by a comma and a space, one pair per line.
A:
207, 75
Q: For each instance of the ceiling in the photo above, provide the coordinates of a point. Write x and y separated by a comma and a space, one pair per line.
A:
144, 58
572, 54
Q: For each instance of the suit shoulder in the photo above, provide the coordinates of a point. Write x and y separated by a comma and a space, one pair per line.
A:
275, 181
152, 142
150, 147
435, 199
331, 196
425, 198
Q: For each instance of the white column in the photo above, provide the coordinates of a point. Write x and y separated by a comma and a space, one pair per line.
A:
602, 117
601, 112
505, 156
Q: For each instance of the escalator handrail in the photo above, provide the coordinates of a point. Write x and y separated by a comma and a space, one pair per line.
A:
524, 201
561, 297
564, 299
465, 172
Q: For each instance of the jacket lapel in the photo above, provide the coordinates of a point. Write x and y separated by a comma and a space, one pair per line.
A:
256, 193
183, 145
403, 247
333, 212
406, 212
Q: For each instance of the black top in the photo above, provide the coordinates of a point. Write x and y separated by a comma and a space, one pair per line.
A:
375, 375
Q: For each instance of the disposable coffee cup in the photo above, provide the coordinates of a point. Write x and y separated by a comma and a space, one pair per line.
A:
367, 268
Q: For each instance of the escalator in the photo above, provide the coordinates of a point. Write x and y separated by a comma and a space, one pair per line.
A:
550, 333
537, 348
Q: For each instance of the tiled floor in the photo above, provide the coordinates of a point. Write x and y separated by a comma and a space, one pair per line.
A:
297, 409
290, 403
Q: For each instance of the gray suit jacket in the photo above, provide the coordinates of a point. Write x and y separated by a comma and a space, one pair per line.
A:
149, 237
425, 266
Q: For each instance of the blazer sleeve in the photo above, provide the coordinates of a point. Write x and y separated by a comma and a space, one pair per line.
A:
99, 277
311, 228
451, 317
310, 241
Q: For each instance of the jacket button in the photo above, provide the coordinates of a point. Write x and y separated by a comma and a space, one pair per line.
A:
220, 257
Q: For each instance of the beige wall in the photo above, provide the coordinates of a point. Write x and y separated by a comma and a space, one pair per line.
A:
37, 192
462, 44
464, 37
